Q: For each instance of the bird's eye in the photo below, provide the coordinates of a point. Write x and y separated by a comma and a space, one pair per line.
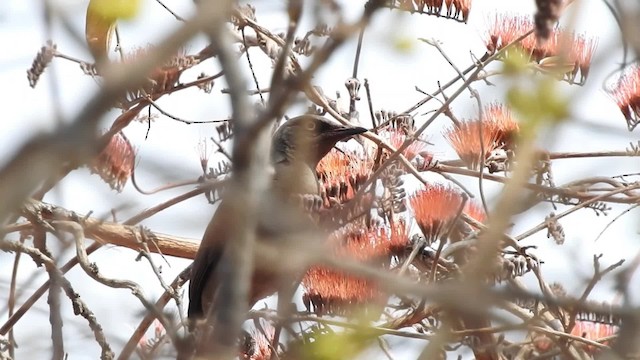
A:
310, 125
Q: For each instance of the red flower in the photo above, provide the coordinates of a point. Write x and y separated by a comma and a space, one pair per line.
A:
459, 9
504, 29
455, 9
502, 124
475, 211
258, 345
164, 77
115, 163
593, 331
333, 291
416, 152
498, 130
470, 139
585, 329
434, 208
581, 54
627, 95
342, 173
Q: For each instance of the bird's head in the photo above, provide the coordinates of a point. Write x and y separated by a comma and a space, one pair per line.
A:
308, 138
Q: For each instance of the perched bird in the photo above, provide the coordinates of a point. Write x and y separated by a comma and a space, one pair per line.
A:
297, 147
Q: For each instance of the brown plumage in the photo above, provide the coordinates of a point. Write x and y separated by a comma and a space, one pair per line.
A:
297, 147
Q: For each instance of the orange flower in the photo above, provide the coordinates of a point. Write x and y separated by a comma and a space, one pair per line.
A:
581, 54
504, 29
115, 163
162, 78
503, 124
342, 173
459, 9
331, 291
475, 211
257, 345
455, 9
585, 329
434, 208
417, 148
470, 139
498, 130
593, 331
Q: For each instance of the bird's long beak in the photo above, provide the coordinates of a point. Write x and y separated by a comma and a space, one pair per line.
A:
344, 132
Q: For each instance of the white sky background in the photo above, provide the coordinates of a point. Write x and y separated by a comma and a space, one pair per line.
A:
170, 153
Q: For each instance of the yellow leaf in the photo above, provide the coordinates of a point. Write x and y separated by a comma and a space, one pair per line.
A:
100, 22
115, 9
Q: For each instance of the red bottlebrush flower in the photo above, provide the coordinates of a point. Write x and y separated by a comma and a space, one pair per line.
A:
475, 211
627, 95
504, 29
417, 149
342, 173
581, 54
146, 344
568, 63
585, 329
593, 331
499, 129
115, 163
332, 291
462, 9
434, 6
469, 139
257, 345
455, 9
503, 124
541, 342
434, 208
163, 78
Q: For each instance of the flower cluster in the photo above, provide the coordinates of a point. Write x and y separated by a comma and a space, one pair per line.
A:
416, 152
335, 292
256, 344
496, 130
627, 95
584, 329
115, 163
164, 77
565, 52
593, 331
452, 9
436, 207
341, 174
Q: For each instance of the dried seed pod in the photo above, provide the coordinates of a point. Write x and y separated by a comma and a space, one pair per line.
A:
40, 63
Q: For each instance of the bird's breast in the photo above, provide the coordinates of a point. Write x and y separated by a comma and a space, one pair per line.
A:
295, 178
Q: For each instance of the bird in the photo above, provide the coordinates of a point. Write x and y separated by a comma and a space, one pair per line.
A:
296, 148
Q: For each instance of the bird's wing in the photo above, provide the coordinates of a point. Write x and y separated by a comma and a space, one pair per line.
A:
209, 254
